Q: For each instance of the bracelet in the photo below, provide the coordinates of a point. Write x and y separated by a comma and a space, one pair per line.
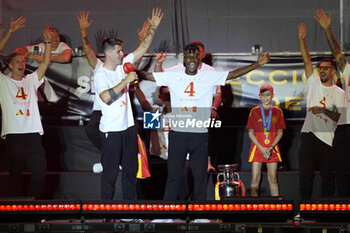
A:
214, 108
47, 42
10, 31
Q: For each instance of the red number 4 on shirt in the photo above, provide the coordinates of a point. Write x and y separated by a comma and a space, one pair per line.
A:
21, 94
189, 89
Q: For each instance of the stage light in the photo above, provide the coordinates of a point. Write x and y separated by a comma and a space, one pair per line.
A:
243, 209
22, 210
334, 210
39, 208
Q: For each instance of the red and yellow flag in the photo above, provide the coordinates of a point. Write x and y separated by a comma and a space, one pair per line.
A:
143, 170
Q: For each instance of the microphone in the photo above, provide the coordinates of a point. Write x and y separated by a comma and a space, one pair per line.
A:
128, 67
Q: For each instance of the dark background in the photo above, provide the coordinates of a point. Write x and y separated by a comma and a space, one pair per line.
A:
222, 25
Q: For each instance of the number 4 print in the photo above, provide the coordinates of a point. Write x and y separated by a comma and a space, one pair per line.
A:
189, 89
21, 94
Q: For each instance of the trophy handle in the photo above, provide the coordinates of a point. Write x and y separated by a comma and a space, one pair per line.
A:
218, 176
237, 174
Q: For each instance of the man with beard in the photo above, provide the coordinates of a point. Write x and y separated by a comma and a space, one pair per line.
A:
342, 133
191, 99
324, 99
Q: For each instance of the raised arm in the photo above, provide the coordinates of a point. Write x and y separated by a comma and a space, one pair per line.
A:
302, 31
160, 58
157, 16
47, 35
14, 26
325, 22
142, 35
262, 60
84, 23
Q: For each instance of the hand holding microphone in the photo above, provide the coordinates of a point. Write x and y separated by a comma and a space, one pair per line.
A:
128, 67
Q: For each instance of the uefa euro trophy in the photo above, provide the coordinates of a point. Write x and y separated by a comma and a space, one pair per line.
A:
229, 187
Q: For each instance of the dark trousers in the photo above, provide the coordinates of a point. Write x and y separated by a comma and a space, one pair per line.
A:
25, 151
92, 130
181, 143
341, 147
119, 148
315, 154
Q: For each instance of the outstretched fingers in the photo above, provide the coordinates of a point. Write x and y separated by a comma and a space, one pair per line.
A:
83, 19
18, 24
323, 19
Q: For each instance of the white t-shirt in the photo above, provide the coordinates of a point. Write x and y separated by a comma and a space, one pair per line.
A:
118, 115
191, 97
60, 48
19, 103
96, 106
345, 113
329, 97
204, 67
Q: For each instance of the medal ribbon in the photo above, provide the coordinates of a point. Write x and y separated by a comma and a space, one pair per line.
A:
266, 125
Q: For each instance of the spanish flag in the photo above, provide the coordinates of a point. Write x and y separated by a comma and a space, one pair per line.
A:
143, 170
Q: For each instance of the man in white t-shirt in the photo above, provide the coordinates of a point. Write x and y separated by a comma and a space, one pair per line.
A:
191, 98
342, 134
158, 67
21, 124
61, 52
117, 122
185, 193
92, 128
324, 102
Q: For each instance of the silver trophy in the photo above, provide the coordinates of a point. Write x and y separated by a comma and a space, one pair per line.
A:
229, 187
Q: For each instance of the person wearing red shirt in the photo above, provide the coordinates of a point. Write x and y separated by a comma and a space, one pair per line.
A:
265, 129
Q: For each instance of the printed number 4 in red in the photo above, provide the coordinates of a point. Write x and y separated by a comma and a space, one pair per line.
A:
21, 94
189, 89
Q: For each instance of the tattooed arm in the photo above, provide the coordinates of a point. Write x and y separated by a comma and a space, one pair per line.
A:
84, 23
325, 22
157, 16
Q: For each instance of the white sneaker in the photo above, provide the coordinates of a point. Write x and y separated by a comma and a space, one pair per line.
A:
169, 220
97, 168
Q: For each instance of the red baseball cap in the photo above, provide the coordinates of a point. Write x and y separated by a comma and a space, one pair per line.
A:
266, 87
